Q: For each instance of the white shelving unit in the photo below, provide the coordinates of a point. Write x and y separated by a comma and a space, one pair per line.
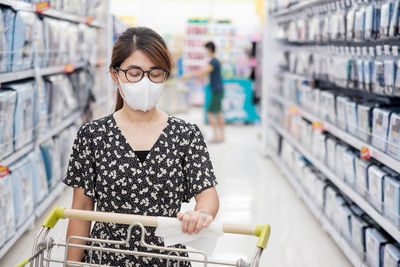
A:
23, 6
319, 215
37, 73
346, 137
344, 187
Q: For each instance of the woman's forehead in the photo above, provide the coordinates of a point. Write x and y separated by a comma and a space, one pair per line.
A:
138, 58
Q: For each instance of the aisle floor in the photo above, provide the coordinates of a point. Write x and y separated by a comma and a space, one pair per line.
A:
251, 191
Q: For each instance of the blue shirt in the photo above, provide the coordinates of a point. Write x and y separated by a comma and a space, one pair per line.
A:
216, 77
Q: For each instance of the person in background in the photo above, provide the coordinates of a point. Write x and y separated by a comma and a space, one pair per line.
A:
214, 113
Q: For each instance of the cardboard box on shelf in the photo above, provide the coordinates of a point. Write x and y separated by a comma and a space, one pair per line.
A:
375, 244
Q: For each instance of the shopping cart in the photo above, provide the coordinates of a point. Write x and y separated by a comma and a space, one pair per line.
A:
43, 245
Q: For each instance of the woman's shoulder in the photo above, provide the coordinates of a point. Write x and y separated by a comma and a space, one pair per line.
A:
96, 126
183, 126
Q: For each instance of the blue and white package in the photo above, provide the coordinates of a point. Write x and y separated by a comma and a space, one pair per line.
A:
341, 111
23, 117
39, 180
391, 197
349, 167
391, 256
8, 99
7, 220
330, 202
359, 26
339, 154
375, 244
376, 178
369, 22
57, 165
22, 41
344, 222
330, 153
351, 117
361, 170
369, 70
3, 45
327, 100
386, 18
394, 136
380, 127
22, 191
358, 227
46, 149
39, 45
8, 22
394, 23
364, 121
320, 185
390, 74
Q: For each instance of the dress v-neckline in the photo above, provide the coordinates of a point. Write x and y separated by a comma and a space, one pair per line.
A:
132, 151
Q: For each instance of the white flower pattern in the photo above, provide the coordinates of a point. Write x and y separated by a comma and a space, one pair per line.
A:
177, 168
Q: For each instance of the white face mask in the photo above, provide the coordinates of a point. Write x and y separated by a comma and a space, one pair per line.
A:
142, 95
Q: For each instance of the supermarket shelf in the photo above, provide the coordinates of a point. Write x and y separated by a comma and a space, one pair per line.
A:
23, 6
17, 154
345, 136
62, 126
318, 214
344, 187
19, 75
49, 199
7, 246
295, 7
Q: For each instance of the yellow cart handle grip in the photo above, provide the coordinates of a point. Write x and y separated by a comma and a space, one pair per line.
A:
262, 231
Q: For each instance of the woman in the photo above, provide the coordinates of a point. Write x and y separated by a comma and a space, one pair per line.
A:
139, 160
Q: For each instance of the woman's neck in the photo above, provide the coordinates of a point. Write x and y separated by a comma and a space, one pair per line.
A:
138, 116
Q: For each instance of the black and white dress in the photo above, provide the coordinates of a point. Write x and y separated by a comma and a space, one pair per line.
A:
103, 163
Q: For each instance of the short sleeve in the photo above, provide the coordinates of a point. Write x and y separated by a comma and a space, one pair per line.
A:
213, 62
198, 169
81, 166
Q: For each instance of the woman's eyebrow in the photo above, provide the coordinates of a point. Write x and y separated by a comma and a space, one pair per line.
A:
135, 66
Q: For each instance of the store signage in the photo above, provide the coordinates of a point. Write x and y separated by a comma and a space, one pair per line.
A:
42, 7
365, 153
4, 171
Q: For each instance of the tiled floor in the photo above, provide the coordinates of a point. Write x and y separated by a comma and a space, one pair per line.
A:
252, 191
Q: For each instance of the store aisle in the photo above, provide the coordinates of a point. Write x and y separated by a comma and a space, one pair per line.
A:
252, 190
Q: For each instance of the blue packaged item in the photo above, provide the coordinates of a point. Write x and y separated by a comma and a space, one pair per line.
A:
344, 223
341, 118
380, 128
376, 177
8, 22
394, 136
339, 154
351, 117
370, 20
349, 167
3, 45
358, 227
22, 191
46, 149
361, 175
22, 41
375, 245
391, 256
391, 197
8, 100
39, 180
394, 23
39, 44
23, 116
364, 121
390, 74
359, 26
7, 220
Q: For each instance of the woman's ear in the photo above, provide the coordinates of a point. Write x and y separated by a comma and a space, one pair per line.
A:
114, 76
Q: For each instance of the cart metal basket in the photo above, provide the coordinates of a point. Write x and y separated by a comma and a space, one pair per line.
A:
41, 254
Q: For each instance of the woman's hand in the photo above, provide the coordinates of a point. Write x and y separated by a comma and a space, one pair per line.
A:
194, 221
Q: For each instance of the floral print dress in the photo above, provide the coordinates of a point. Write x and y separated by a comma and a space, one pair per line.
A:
177, 168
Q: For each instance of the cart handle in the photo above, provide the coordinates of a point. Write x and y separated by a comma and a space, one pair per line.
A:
261, 231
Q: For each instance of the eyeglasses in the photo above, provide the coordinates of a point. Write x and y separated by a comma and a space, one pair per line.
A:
136, 74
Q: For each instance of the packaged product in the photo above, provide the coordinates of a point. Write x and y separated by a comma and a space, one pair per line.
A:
391, 255
375, 246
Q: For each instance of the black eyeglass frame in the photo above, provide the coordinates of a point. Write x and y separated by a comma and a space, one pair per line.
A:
166, 73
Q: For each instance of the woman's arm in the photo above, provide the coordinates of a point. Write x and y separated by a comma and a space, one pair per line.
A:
78, 227
207, 205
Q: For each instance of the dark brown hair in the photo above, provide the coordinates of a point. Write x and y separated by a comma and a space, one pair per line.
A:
145, 40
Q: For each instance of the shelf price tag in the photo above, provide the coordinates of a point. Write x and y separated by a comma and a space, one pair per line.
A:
4, 171
89, 19
318, 126
365, 153
294, 110
69, 68
42, 7
100, 62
